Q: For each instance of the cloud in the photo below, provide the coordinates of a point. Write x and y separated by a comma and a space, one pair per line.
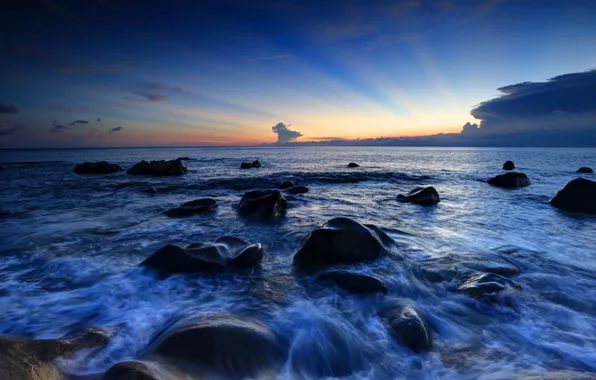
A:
8, 108
16, 129
115, 129
78, 122
328, 138
273, 57
74, 69
57, 127
155, 92
469, 129
285, 135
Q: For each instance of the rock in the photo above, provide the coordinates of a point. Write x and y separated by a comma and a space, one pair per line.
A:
158, 168
286, 185
297, 190
26, 359
225, 253
487, 286
510, 180
411, 329
183, 159
198, 206
578, 195
267, 204
457, 268
353, 165
508, 165
221, 343
353, 282
149, 190
585, 170
248, 165
558, 375
5, 212
129, 370
256, 164
341, 241
422, 196
102, 167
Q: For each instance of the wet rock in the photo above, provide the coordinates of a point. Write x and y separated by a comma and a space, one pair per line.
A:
286, 185
183, 159
421, 195
256, 164
353, 165
297, 190
5, 212
267, 204
559, 375
578, 195
225, 253
456, 268
411, 329
198, 206
341, 241
353, 282
149, 190
158, 168
508, 165
488, 287
510, 180
248, 165
585, 170
129, 370
102, 167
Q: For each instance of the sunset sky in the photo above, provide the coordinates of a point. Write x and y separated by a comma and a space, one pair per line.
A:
128, 73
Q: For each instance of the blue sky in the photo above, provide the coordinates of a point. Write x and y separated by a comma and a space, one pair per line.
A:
225, 72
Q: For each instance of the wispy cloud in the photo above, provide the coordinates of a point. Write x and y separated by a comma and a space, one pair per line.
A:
115, 129
16, 129
57, 127
155, 92
75, 69
78, 122
273, 57
8, 108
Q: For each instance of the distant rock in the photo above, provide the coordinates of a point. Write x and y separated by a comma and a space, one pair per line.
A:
249, 165
411, 329
341, 241
585, 170
286, 185
487, 286
421, 195
102, 167
297, 190
149, 190
353, 165
183, 159
353, 282
158, 168
262, 204
510, 180
256, 164
198, 206
129, 370
225, 253
578, 195
508, 165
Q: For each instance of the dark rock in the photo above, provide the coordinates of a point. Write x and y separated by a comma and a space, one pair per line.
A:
256, 164
578, 195
341, 241
411, 329
198, 206
267, 204
248, 165
158, 168
183, 159
487, 286
353, 282
353, 165
225, 253
149, 190
422, 196
297, 190
510, 180
129, 370
286, 185
5, 212
508, 165
102, 167
585, 170
456, 268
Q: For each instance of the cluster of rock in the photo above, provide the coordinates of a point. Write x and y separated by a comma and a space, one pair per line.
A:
102, 167
153, 168
249, 165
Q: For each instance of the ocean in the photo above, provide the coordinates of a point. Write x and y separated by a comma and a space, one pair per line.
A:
71, 247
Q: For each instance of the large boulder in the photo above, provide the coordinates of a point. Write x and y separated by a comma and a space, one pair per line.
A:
585, 170
353, 282
158, 168
578, 195
248, 165
510, 180
198, 206
225, 253
297, 190
286, 185
411, 329
353, 165
488, 287
262, 204
102, 167
508, 165
421, 195
341, 241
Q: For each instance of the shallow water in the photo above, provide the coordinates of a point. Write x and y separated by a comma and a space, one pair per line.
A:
70, 249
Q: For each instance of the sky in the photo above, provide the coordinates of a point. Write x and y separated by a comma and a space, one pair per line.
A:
90, 73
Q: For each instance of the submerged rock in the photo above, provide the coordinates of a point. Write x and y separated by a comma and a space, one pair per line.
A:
129, 370
158, 168
149, 190
585, 170
488, 286
353, 282
578, 195
5, 212
198, 206
262, 204
456, 268
422, 196
225, 253
297, 190
508, 165
341, 241
286, 185
183, 159
411, 329
248, 165
353, 165
510, 180
102, 167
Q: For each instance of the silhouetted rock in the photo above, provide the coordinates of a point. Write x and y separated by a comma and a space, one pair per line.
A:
149, 190
411, 329
225, 253
341, 241
198, 206
102, 167
267, 204
353, 282
353, 165
256, 164
286, 185
487, 286
5, 212
129, 370
297, 190
578, 195
422, 196
248, 165
585, 170
183, 159
508, 165
158, 168
510, 180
